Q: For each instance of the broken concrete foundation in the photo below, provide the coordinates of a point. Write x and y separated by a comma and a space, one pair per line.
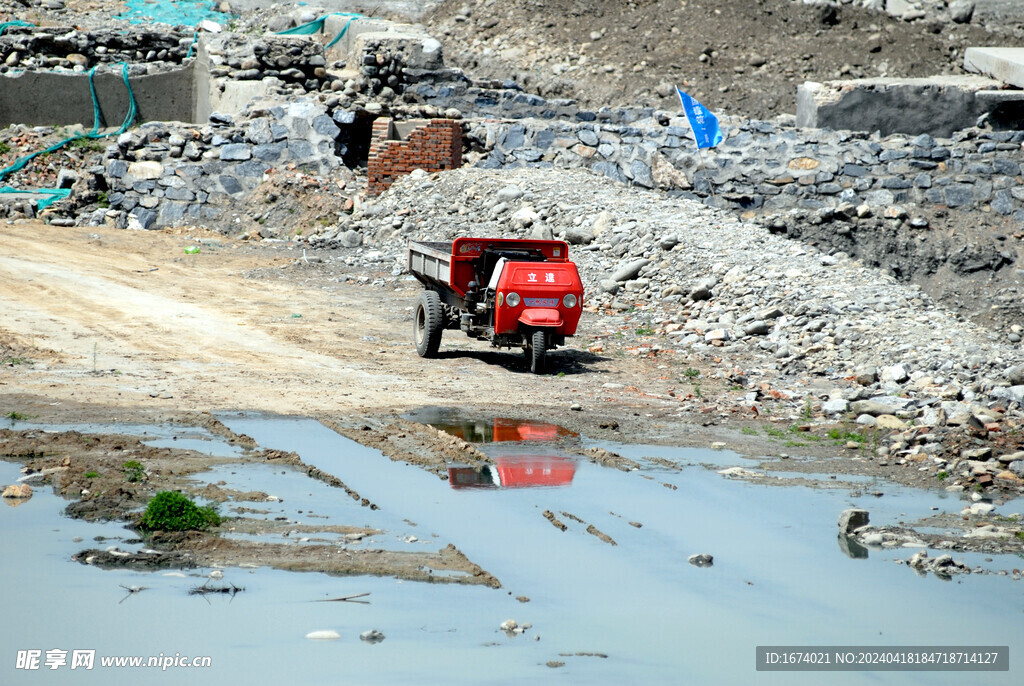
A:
937, 105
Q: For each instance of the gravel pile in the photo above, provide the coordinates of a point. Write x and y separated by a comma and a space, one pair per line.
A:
710, 282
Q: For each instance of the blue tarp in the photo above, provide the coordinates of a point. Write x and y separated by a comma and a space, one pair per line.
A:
174, 12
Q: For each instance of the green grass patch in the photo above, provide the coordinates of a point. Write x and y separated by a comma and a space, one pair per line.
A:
844, 436
133, 471
749, 431
691, 373
644, 331
87, 144
16, 416
173, 511
774, 433
4, 148
91, 475
942, 476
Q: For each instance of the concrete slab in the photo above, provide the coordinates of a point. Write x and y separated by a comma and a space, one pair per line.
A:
1004, 64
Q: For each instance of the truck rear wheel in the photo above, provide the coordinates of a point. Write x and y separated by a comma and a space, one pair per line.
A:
539, 352
428, 324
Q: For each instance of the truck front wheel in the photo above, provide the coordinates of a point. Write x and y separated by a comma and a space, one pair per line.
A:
539, 352
428, 324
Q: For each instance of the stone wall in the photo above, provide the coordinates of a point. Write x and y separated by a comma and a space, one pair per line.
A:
166, 175
431, 146
764, 165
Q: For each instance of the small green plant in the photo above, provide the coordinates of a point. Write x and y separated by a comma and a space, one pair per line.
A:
1020, 535
644, 331
696, 390
133, 471
174, 511
560, 374
942, 476
736, 387
749, 431
298, 231
4, 148
91, 475
691, 373
15, 361
808, 409
840, 436
16, 416
87, 144
773, 432
101, 199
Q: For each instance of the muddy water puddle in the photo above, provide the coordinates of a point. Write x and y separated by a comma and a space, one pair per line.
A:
610, 593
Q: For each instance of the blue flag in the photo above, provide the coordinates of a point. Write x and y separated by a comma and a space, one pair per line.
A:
703, 123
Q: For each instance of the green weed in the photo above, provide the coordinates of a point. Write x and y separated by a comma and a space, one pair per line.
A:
16, 416
942, 476
87, 144
749, 431
697, 391
644, 331
133, 471
839, 435
4, 148
174, 511
91, 475
773, 432
691, 373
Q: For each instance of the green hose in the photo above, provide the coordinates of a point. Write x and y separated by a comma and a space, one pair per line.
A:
58, 193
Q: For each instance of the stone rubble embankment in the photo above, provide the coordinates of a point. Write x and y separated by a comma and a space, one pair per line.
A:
820, 330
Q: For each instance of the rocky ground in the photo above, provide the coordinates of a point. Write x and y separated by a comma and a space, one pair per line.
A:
739, 57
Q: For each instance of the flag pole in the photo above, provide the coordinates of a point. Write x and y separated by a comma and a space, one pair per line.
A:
683, 98
705, 169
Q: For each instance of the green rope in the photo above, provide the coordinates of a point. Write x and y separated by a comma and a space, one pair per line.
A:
7, 24
317, 25
195, 39
48, 196
97, 116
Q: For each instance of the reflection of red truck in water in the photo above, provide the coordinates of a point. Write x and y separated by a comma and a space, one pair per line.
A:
502, 429
521, 471
511, 292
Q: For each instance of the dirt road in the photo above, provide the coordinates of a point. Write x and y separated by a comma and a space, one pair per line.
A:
129, 321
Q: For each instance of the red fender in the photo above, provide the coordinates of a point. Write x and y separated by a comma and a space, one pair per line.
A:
540, 316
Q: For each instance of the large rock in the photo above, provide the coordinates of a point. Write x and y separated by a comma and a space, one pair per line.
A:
852, 519
18, 491
629, 270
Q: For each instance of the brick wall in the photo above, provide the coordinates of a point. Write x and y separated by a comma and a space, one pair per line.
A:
434, 145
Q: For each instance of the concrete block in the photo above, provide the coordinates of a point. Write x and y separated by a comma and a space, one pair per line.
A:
419, 49
1003, 64
937, 105
60, 99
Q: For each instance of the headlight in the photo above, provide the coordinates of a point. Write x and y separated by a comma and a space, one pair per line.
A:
569, 301
512, 299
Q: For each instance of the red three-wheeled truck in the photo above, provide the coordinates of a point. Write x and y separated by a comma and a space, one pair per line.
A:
511, 292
